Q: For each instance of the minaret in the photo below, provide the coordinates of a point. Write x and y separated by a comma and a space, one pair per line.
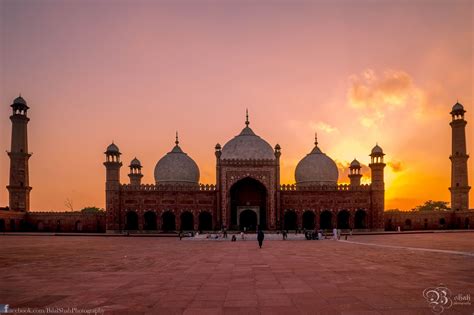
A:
459, 183
112, 187
218, 153
19, 186
354, 173
135, 172
377, 187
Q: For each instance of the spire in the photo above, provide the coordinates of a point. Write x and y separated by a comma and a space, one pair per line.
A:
316, 139
177, 139
247, 117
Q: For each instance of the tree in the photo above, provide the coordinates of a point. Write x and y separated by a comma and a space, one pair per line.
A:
432, 205
393, 210
68, 204
92, 210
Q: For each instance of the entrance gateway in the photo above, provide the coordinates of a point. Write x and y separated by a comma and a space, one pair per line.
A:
248, 217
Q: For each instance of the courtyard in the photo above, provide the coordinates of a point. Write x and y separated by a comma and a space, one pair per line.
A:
369, 274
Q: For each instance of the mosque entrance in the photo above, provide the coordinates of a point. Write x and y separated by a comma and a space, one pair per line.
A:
248, 201
248, 218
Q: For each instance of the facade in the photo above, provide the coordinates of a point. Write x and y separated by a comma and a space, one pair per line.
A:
247, 193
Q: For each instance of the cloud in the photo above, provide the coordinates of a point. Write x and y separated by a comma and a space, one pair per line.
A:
396, 166
373, 96
315, 126
322, 126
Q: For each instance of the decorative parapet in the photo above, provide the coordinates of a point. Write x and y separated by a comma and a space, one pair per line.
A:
152, 187
251, 162
67, 213
340, 187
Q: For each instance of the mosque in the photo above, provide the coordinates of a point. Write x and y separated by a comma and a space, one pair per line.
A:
247, 194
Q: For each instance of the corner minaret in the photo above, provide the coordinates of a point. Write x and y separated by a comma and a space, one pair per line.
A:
354, 173
19, 186
377, 186
459, 183
112, 187
135, 172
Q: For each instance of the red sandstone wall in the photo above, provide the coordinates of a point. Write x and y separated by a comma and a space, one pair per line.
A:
429, 220
66, 222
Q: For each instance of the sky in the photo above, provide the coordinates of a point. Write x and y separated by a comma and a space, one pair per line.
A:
135, 72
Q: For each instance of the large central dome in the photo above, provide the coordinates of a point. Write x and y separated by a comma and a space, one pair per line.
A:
247, 146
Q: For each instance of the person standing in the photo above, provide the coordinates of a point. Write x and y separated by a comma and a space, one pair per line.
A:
260, 237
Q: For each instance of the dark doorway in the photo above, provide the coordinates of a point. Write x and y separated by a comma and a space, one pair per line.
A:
308, 220
132, 221
360, 220
466, 223
326, 220
248, 192
248, 220
289, 220
2, 225
343, 220
169, 221
78, 226
187, 221
442, 223
150, 220
407, 224
205, 221
13, 225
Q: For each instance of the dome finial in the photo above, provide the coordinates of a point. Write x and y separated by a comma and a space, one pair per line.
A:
247, 117
316, 139
177, 139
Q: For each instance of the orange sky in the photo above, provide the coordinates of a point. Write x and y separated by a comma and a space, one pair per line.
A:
137, 71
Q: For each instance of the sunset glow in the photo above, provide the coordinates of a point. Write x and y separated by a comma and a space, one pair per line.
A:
134, 72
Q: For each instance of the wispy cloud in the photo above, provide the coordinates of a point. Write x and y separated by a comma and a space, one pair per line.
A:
396, 166
323, 126
373, 96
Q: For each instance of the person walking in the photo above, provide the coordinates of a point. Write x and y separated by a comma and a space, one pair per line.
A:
260, 237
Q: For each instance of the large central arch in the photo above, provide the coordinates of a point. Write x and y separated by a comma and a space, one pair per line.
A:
248, 193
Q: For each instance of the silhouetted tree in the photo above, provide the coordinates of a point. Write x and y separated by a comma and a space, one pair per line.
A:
92, 210
432, 205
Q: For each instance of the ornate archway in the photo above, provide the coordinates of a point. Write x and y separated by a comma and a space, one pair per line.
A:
248, 220
187, 221
343, 219
248, 194
308, 220
205, 221
326, 220
360, 220
169, 221
289, 220
131, 220
150, 220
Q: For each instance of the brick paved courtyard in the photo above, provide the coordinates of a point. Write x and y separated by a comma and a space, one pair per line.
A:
133, 275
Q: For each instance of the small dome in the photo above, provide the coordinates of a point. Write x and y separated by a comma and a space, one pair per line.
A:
247, 146
458, 107
19, 100
316, 168
112, 149
355, 164
135, 162
377, 150
176, 167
